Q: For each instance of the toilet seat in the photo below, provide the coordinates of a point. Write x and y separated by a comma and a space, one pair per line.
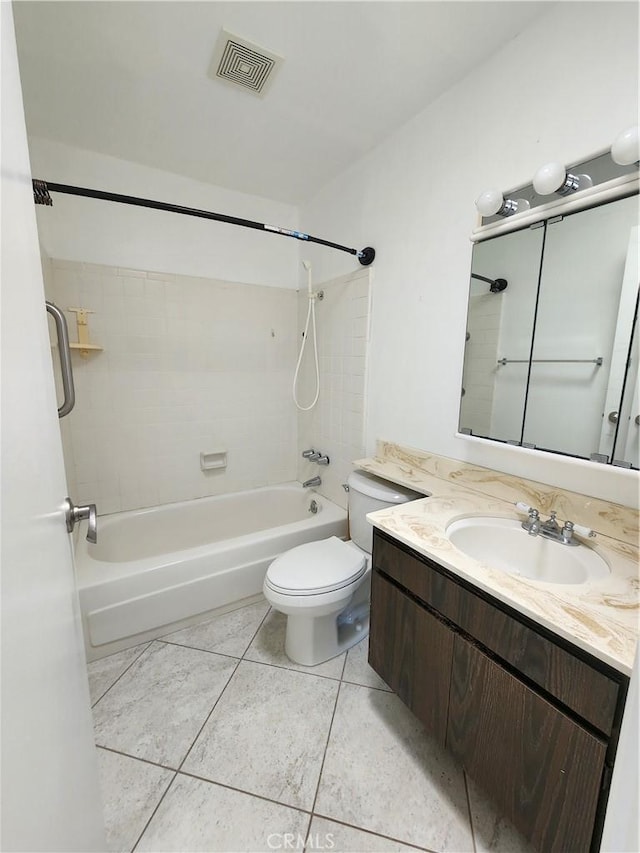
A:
316, 568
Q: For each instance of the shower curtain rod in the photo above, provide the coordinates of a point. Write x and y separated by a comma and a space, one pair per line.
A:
41, 190
497, 284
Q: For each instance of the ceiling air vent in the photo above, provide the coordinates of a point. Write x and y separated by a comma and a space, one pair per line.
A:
244, 64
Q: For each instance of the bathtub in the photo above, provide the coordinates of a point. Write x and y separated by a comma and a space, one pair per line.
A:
157, 570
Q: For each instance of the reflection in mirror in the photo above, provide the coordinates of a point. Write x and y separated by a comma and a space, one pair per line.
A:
546, 359
493, 401
627, 440
579, 304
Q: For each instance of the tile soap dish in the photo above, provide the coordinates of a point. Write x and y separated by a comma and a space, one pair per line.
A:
213, 459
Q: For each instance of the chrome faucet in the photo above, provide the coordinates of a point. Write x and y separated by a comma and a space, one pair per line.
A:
550, 529
551, 526
532, 525
315, 456
314, 481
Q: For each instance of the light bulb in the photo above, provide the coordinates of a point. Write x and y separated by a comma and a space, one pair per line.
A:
626, 147
554, 178
549, 178
489, 202
492, 202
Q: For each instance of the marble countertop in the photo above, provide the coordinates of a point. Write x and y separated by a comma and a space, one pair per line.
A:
600, 616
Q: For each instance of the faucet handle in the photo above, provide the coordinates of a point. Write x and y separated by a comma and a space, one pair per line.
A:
587, 532
307, 454
532, 512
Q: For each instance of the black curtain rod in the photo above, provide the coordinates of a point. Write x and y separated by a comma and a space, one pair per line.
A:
41, 190
497, 284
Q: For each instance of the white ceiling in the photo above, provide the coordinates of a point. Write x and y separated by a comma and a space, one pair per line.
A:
130, 79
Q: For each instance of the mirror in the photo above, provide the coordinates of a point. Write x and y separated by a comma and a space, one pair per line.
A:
551, 358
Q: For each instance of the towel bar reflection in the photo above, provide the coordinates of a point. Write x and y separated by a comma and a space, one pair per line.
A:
597, 361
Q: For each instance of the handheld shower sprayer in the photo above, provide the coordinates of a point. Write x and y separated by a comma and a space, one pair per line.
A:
311, 315
307, 266
319, 294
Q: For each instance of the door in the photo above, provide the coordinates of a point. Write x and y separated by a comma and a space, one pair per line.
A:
614, 408
411, 650
49, 781
542, 770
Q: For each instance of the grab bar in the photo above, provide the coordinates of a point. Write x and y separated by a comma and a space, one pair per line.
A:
65, 359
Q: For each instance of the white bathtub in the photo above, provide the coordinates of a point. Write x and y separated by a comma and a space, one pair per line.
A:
159, 569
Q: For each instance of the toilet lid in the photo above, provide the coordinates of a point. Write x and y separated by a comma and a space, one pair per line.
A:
316, 567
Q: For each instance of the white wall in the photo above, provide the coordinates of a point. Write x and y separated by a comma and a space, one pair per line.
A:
545, 96
100, 232
621, 833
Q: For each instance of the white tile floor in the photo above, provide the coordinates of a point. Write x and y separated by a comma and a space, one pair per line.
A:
210, 739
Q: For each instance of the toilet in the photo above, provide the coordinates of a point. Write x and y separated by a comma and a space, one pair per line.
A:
324, 587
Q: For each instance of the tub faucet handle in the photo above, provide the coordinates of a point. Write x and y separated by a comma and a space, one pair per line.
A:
74, 514
307, 454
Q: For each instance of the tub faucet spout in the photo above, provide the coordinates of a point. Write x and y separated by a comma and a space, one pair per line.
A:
314, 481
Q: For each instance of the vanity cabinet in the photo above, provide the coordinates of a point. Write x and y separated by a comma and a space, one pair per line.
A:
403, 630
533, 720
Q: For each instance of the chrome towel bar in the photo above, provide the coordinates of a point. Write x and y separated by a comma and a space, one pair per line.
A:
597, 361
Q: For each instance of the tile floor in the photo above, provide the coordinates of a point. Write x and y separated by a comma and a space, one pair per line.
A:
210, 739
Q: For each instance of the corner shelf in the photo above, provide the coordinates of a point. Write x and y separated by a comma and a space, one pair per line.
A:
85, 349
83, 345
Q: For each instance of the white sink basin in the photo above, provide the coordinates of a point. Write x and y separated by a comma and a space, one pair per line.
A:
502, 544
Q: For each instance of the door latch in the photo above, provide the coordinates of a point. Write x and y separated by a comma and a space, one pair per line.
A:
75, 514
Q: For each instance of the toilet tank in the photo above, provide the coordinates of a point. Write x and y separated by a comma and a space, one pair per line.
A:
367, 493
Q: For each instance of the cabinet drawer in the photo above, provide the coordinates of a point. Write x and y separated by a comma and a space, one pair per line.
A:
412, 651
417, 576
542, 769
576, 684
588, 692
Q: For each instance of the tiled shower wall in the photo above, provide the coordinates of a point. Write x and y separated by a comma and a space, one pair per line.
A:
335, 426
189, 365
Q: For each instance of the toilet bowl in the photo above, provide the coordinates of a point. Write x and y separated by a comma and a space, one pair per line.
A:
324, 587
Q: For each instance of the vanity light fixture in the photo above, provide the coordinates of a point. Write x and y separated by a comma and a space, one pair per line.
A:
554, 178
626, 147
492, 202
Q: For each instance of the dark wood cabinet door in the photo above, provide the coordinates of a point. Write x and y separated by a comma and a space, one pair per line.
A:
542, 769
412, 651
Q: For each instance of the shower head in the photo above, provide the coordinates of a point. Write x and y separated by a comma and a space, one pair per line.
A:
306, 265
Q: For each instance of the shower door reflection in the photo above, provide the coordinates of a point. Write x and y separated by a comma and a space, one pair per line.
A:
497, 323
